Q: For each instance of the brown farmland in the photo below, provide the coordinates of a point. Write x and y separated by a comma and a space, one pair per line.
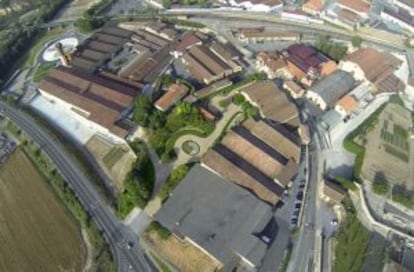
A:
37, 233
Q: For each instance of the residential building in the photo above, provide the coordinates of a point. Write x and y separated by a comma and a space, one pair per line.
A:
346, 105
359, 7
333, 192
326, 92
313, 7
174, 94
399, 16
271, 63
99, 100
374, 66
295, 90
304, 62
273, 103
220, 218
270, 6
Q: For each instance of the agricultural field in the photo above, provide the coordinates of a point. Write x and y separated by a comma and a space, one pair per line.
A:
37, 233
388, 146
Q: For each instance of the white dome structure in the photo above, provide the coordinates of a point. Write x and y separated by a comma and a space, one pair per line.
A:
51, 53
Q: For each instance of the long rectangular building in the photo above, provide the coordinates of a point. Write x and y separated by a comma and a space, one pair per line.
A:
96, 98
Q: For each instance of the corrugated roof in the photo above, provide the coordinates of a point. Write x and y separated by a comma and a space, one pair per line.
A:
175, 92
213, 87
277, 137
238, 171
305, 57
219, 216
249, 151
102, 98
334, 86
315, 5
186, 41
357, 5
376, 65
272, 60
272, 102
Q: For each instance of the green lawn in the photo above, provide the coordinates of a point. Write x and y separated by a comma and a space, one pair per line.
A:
42, 71
352, 241
30, 57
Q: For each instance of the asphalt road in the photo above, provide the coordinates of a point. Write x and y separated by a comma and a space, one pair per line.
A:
128, 254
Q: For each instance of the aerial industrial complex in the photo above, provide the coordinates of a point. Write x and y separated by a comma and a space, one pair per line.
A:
240, 135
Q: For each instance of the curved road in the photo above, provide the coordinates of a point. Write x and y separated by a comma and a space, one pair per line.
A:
129, 256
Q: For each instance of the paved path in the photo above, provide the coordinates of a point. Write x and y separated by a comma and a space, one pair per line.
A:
204, 143
368, 220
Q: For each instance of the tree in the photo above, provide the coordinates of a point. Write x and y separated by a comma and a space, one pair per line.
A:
88, 23
238, 99
142, 110
356, 41
166, 3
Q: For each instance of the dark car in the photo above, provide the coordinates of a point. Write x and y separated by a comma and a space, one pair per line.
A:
297, 206
299, 196
294, 221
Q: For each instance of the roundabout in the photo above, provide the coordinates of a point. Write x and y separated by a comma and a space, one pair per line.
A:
190, 147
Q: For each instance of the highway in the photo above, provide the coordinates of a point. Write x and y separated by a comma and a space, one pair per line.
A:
128, 253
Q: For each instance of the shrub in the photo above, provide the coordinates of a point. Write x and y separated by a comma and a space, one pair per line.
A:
159, 229
173, 180
238, 99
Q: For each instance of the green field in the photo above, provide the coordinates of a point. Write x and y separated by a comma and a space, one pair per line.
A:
352, 242
37, 232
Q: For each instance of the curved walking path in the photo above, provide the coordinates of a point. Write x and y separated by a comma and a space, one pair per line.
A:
204, 142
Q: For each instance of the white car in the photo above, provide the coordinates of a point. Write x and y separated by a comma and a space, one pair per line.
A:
334, 222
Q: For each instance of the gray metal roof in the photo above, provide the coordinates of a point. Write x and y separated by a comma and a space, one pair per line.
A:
218, 215
331, 88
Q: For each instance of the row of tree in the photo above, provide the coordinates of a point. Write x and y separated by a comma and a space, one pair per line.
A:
20, 37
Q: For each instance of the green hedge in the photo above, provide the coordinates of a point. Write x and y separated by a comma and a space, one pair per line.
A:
161, 231
173, 180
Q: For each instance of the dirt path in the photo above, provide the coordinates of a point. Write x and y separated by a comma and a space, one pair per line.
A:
89, 251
